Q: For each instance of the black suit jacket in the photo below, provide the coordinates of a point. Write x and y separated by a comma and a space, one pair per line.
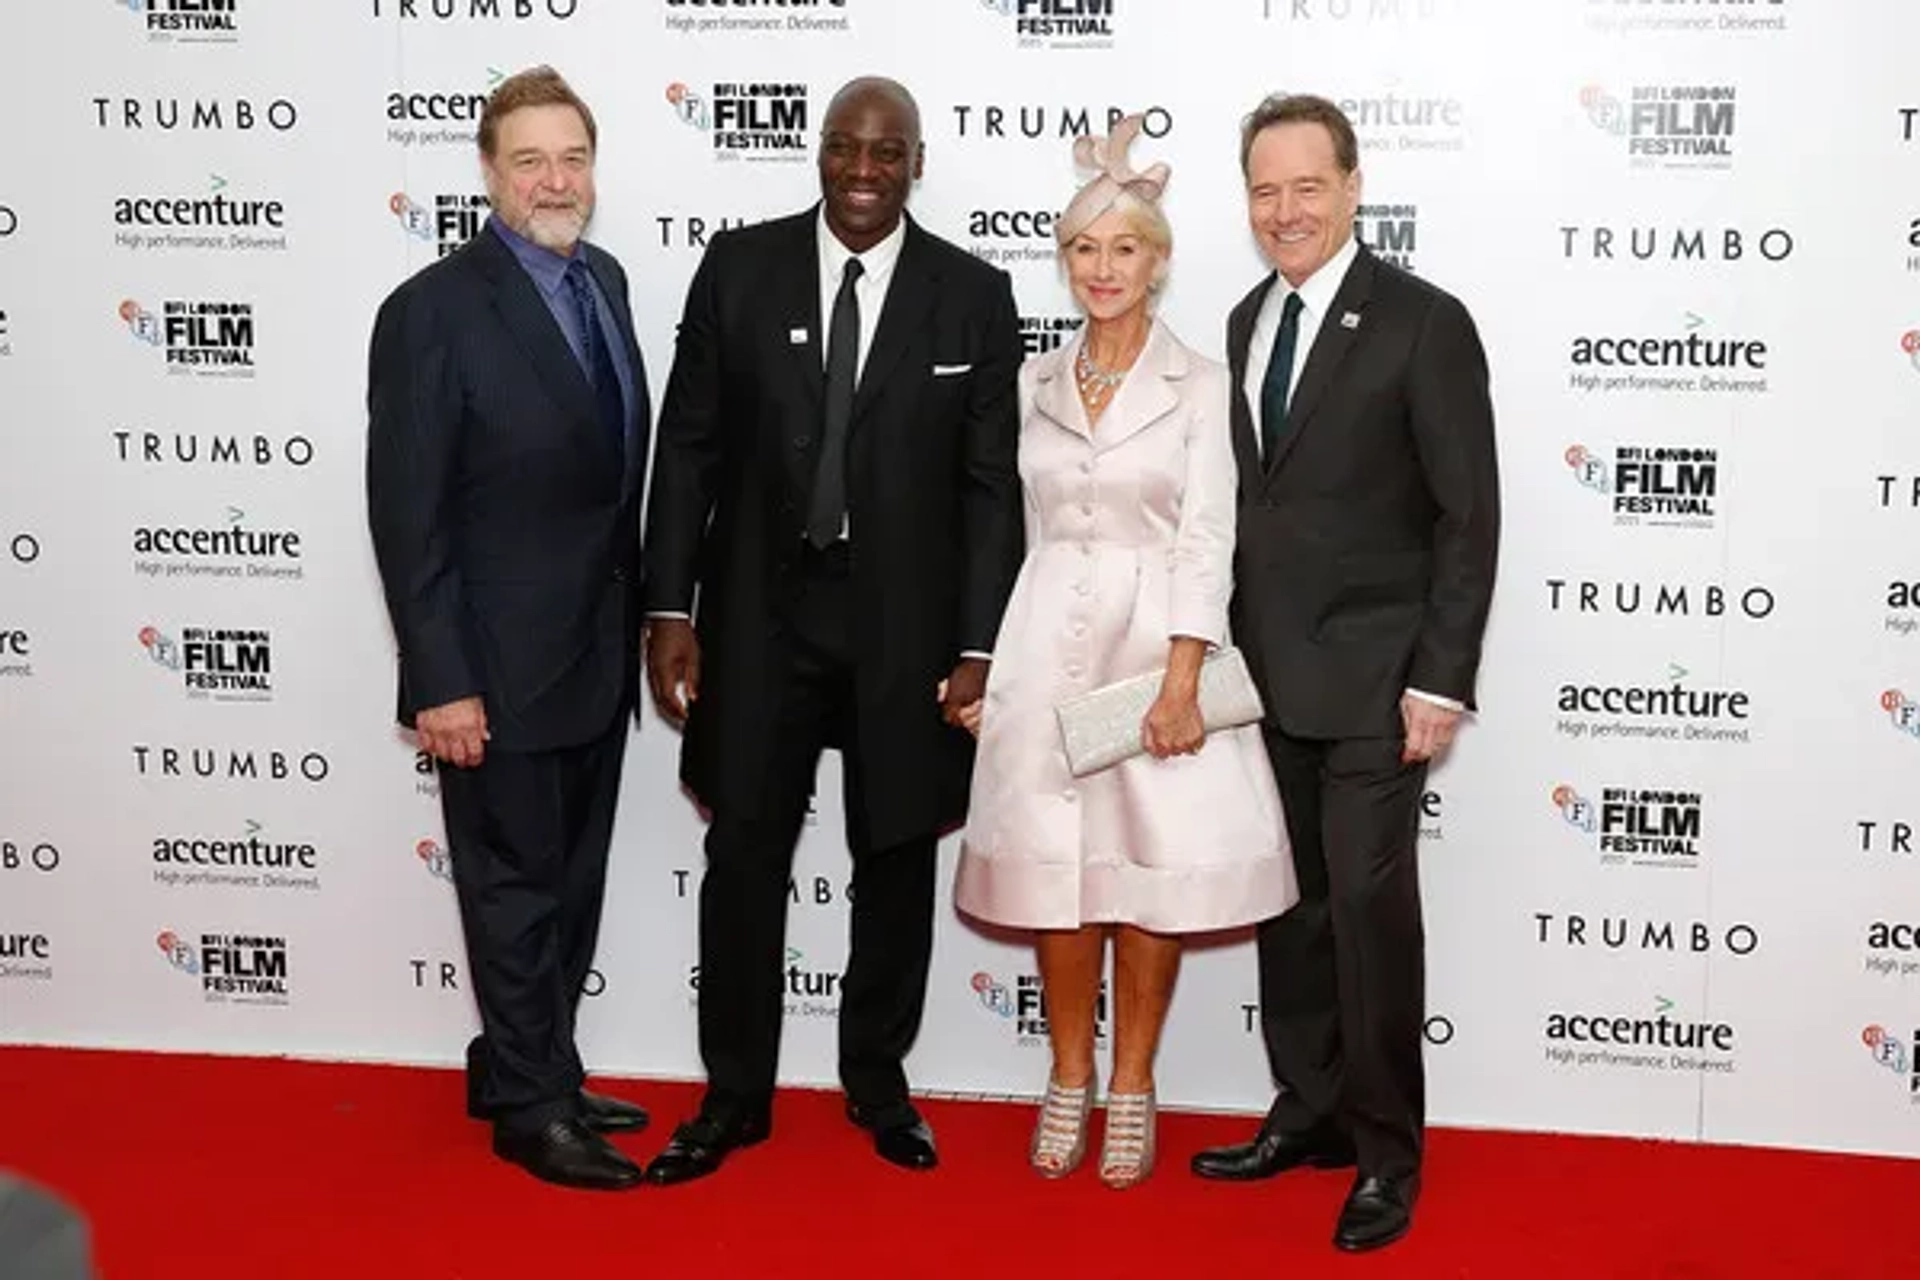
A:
1366, 550
505, 519
933, 499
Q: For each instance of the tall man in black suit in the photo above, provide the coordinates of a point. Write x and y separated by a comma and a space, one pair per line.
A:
507, 438
1369, 524
836, 485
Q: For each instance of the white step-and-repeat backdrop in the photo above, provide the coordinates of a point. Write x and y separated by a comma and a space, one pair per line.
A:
1671, 871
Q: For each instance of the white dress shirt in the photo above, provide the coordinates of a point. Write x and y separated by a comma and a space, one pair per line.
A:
1316, 296
870, 290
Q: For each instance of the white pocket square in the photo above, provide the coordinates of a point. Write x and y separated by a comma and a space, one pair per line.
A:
948, 370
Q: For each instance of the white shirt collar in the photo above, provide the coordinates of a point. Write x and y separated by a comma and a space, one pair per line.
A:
1316, 295
876, 263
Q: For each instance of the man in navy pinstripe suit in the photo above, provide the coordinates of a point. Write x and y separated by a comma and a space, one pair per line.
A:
507, 435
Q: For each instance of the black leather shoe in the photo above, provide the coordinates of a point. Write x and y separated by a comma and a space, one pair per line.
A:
570, 1155
1275, 1150
611, 1115
698, 1146
900, 1136
1378, 1211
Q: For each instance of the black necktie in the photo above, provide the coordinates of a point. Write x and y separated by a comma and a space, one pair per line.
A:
1273, 387
595, 356
828, 510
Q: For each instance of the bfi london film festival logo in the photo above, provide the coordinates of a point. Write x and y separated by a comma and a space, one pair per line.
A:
465, 11
1395, 122
195, 115
211, 221
1674, 243
1692, 361
1023, 1005
1681, 126
245, 861
806, 992
1900, 1057
237, 968
237, 550
1677, 709
447, 223
187, 21
1652, 486
1041, 334
747, 120
1057, 24
1659, 17
1391, 231
1639, 1042
723, 17
1010, 236
1902, 711
443, 117
25, 957
435, 858
1635, 826
219, 664
201, 337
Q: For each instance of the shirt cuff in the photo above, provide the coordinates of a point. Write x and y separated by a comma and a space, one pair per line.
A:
975, 653
668, 613
1451, 704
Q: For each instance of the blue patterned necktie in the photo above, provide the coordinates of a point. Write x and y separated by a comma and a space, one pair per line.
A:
595, 355
1274, 387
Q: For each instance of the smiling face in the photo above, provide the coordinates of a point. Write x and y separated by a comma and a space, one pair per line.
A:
1113, 266
1300, 202
540, 175
870, 156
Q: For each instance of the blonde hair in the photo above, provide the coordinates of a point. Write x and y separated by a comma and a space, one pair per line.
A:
1147, 220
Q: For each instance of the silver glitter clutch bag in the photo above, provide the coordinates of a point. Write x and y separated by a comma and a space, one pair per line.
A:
1102, 728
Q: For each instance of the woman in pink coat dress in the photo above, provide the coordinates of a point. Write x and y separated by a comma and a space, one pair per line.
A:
1129, 477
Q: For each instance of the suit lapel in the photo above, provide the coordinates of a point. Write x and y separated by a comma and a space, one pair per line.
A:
1330, 347
1054, 395
910, 295
1146, 396
525, 314
1246, 449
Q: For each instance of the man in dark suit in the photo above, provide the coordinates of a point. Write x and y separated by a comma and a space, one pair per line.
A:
507, 437
851, 536
1369, 523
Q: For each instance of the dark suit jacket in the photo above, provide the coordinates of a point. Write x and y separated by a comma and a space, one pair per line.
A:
504, 518
1365, 559
933, 499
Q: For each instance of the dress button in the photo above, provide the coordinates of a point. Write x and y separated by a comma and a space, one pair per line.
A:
1069, 795
1086, 508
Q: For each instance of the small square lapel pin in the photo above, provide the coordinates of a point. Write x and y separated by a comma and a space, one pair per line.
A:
797, 337
1350, 320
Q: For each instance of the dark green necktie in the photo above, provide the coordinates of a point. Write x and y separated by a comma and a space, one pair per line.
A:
1273, 388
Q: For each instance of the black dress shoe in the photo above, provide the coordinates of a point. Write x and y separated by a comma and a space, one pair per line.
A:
611, 1115
1378, 1211
1275, 1150
568, 1154
698, 1146
900, 1136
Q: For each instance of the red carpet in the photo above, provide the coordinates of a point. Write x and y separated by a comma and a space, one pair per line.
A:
235, 1167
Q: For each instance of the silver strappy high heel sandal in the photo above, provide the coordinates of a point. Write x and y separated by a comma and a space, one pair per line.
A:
1060, 1133
1126, 1152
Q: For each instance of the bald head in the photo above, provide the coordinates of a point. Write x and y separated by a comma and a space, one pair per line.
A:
855, 94
870, 156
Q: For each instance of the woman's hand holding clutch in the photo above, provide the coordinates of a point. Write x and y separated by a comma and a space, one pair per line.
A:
1173, 725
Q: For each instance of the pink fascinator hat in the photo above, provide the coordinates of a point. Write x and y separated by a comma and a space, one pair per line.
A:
1113, 174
